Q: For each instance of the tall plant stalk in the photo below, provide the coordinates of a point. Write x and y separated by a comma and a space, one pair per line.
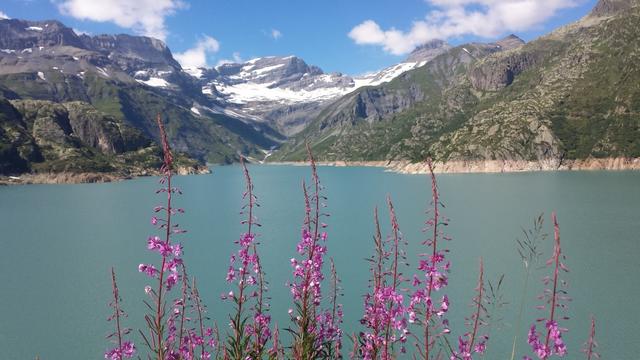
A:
124, 348
555, 298
434, 268
529, 254
168, 273
246, 269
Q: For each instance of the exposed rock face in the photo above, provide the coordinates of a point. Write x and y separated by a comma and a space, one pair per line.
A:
498, 72
17, 146
428, 51
43, 136
611, 7
510, 42
76, 124
509, 166
565, 97
129, 51
129, 79
373, 104
20, 34
276, 89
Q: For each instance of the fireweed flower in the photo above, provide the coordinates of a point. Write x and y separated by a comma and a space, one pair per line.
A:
200, 338
248, 340
168, 274
545, 346
124, 348
384, 314
424, 308
313, 333
472, 342
187, 334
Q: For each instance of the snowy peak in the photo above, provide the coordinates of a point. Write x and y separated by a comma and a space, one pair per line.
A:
283, 80
277, 71
418, 57
22, 34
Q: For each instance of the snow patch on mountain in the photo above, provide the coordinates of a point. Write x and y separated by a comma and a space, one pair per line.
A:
154, 82
194, 71
252, 92
384, 75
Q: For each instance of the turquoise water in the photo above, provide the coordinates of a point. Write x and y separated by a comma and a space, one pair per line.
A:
59, 241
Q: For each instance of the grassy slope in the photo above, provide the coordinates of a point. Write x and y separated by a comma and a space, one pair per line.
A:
580, 99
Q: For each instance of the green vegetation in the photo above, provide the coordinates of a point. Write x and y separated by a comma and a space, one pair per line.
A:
572, 94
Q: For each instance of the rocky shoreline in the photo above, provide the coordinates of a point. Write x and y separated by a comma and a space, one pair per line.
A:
489, 166
89, 177
401, 167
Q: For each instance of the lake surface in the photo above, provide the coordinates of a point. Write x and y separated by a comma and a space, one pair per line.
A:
59, 241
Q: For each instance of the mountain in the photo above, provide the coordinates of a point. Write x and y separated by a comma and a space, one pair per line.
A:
572, 94
82, 103
127, 78
213, 114
286, 92
39, 136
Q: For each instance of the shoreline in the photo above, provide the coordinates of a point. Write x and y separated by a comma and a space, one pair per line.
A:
89, 177
486, 166
396, 166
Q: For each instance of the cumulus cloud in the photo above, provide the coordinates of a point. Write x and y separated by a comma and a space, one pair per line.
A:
451, 18
3, 16
236, 59
197, 55
276, 34
146, 17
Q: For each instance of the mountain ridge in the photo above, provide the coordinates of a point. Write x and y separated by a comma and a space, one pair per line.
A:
547, 100
131, 78
475, 103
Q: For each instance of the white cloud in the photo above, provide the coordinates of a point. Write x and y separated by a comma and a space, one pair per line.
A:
146, 17
81, 32
276, 34
235, 60
484, 18
3, 16
197, 56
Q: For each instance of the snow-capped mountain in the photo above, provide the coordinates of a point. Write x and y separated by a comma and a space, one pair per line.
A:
286, 91
49, 46
131, 78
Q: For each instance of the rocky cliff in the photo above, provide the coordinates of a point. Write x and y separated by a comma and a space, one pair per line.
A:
42, 137
130, 79
570, 95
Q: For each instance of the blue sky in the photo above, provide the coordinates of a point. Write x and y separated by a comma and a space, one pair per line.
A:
350, 36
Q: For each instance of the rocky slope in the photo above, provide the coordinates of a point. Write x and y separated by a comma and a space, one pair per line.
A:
214, 114
42, 137
130, 78
572, 94
83, 103
286, 92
